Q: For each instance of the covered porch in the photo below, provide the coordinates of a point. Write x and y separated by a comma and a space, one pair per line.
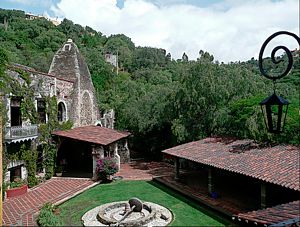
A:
234, 176
79, 149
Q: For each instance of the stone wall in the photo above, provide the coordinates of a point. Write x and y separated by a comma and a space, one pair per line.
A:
68, 64
123, 151
70, 80
44, 85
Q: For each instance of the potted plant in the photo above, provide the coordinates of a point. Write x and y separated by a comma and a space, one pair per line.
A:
16, 188
105, 168
58, 171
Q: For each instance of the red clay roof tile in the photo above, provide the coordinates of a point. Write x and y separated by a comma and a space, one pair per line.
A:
278, 165
93, 134
274, 215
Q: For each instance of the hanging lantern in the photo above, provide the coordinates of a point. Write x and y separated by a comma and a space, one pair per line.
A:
274, 108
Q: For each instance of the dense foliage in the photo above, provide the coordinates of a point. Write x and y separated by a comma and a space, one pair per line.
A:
25, 152
47, 217
18, 182
160, 100
45, 138
29, 156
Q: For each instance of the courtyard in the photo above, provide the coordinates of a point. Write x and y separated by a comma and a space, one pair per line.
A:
185, 211
174, 129
75, 196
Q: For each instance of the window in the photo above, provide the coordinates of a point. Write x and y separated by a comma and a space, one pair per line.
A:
61, 115
41, 109
15, 111
15, 173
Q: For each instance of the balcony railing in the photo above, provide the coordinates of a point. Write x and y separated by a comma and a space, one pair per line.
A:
16, 132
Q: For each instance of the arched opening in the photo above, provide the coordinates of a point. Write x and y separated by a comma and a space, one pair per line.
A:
61, 113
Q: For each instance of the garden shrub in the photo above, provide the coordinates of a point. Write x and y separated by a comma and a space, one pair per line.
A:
18, 182
47, 217
30, 158
49, 159
106, 167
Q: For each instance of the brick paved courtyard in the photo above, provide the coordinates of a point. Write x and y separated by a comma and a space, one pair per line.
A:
21, 210
141, 170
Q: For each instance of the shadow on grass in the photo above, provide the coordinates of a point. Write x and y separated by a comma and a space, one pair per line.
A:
220, 217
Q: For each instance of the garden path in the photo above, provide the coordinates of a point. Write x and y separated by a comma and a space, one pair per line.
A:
22, 210
143, 170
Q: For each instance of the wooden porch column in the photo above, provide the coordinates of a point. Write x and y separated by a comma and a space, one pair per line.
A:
263, 195
176, 165
210, 181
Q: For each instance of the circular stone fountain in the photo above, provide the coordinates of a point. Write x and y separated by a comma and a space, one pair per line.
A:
132, 213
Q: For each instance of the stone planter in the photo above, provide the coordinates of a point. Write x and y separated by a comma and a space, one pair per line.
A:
58, 174
16, 191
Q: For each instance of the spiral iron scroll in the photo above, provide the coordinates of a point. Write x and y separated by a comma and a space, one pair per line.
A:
287, 51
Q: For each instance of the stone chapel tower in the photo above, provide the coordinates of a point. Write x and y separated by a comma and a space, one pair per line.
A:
68, 64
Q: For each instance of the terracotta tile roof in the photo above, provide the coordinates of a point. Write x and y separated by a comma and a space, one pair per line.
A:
93, 134
278, 165
280, 215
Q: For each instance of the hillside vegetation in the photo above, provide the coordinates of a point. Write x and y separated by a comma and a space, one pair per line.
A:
162, 101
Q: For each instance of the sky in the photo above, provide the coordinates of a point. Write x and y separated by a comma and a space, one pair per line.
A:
231, 30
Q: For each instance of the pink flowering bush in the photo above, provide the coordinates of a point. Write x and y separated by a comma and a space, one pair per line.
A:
106, 167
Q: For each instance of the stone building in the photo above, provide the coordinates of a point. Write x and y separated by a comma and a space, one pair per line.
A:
112, 59
19, 130
70, 81
68, 64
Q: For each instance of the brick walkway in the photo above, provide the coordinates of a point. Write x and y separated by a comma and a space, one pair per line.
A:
21, 210
140, 170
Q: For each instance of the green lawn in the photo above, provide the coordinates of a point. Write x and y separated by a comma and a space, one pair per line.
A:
186, 212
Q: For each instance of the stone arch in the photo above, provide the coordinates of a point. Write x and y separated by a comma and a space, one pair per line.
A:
62, 111
67, 47
86, 109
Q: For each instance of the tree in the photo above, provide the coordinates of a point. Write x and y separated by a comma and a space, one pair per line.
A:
122, 46
205, 57
148, 57
185, 58
71, 30
168, 57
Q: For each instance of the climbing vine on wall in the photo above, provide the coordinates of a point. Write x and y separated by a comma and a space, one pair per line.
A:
49, 149
29, 156
3, 62
24, 89
21, 87
45, 138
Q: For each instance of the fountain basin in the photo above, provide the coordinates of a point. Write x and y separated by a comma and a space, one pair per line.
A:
110, 214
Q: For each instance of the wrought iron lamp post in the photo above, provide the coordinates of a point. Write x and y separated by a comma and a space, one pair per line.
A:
274, 108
